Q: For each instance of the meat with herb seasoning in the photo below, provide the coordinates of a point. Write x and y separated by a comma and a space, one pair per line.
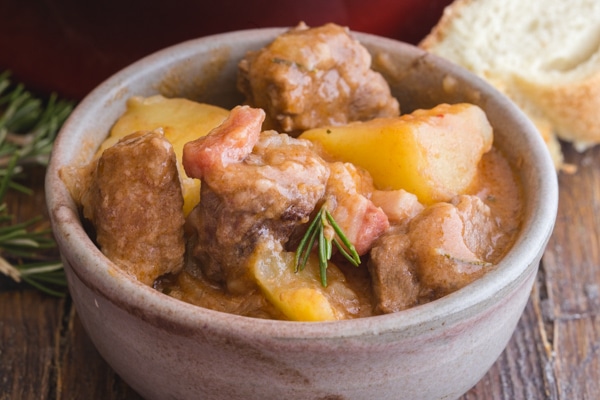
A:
253, 185
311, 77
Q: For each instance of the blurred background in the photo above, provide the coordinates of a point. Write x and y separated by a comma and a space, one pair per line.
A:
70, 46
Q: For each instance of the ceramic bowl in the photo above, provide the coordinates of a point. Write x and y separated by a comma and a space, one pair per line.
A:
164, 348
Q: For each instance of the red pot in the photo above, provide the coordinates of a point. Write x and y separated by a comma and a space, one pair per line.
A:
70, 46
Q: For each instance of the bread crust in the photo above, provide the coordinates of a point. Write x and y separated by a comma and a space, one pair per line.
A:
571, 108
440, 31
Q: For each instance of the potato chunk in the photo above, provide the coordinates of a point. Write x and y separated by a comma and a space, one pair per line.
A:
300, 295
430, 153
181, 120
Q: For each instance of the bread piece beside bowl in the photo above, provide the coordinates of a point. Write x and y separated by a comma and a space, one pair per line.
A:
544, 55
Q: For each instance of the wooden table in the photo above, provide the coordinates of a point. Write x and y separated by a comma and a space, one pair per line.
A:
553, 354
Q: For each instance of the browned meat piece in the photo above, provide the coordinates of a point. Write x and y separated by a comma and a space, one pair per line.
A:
392, 275
446, 246
314, 77
135, 203
269, 191
453, 243
346, 196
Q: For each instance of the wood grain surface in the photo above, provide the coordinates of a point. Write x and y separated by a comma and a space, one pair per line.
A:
553, 354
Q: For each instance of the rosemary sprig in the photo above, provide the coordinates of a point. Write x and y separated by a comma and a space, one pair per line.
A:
324, 232
28, 127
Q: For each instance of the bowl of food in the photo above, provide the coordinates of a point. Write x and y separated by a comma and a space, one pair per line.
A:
299, 213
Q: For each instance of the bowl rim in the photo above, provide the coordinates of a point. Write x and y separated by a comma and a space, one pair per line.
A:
103, 277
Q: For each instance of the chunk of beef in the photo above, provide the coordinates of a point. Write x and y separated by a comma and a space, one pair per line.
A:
440, 250
308, 78
452, 243
270, 186
135, 203
393, 277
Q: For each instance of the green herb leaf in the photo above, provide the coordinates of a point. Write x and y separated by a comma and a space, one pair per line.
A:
315, 235
28, 127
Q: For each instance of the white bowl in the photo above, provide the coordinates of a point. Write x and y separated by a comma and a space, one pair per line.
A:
164, 348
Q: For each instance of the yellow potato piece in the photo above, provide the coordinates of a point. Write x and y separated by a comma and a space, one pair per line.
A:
305, 304
180, 119
300, 295
430, 153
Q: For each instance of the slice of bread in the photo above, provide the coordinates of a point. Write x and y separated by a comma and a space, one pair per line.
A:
543, 54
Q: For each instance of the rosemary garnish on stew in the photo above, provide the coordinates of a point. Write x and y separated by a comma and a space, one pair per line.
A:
324, 232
